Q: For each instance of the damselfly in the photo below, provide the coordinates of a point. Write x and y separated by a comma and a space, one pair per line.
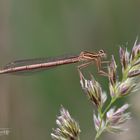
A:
34, 64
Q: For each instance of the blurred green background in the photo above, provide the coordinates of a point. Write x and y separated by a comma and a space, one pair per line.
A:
40, 28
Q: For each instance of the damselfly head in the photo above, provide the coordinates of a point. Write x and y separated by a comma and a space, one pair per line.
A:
102, 53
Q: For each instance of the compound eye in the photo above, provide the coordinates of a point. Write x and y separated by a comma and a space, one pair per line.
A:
101, 51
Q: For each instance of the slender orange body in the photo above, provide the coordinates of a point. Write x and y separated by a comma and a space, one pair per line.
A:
32, 64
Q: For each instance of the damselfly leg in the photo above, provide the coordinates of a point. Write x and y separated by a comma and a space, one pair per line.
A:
98, 63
